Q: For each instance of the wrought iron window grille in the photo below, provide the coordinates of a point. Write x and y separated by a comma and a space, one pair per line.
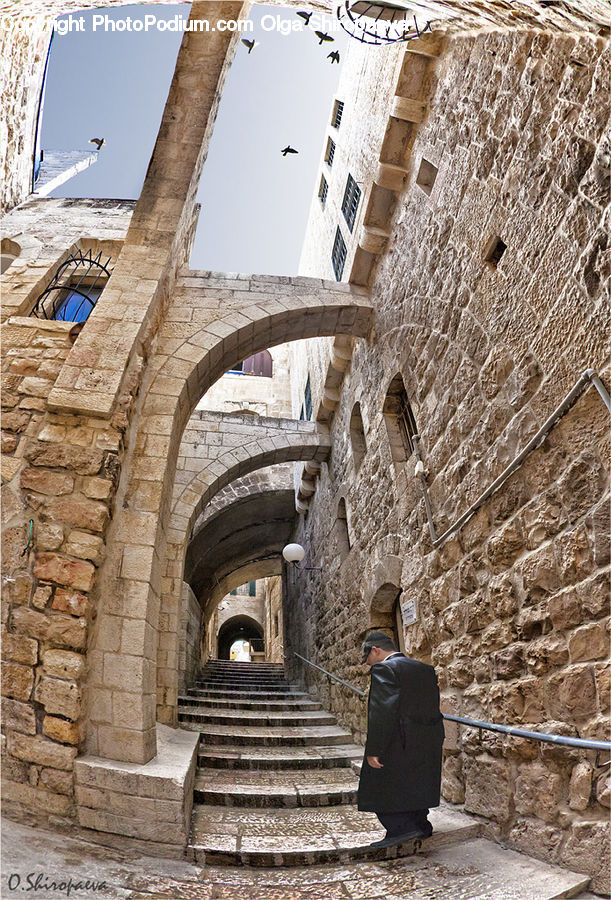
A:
330, 153
350, 203
323, 190
306, 409
74, 289
338, 255
338, 110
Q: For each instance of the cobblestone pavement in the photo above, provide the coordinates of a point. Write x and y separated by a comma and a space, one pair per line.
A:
474, 870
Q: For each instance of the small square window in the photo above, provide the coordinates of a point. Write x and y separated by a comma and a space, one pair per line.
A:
350, 203
338, 255
323, 190
427, 173
330, 152
336, 117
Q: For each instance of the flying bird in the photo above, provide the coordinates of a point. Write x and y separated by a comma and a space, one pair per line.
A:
334, 57
305, 16
323, 37
250, 44
98, 141
288, 149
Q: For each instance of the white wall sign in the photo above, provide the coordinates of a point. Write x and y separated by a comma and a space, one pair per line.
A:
409, 611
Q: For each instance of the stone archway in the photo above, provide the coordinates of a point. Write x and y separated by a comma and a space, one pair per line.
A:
383, 591
211, 324
236, 628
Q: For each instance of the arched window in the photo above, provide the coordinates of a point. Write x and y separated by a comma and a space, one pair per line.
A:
342, 534
400, 422
259, 364
357, 436
74, 289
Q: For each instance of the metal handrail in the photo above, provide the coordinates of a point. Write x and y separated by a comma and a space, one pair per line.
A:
330, 675
559, 739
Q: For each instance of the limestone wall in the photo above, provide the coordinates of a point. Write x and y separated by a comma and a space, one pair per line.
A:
513, 610
274, 619
58, 484
189, 650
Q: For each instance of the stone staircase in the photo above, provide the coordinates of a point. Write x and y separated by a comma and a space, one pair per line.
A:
276, 786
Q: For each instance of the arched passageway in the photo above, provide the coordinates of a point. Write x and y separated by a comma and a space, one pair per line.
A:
238, 628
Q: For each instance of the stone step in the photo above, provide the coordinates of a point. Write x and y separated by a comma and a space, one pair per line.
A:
226, 665
238, 694
279, 758
302, 837
239, 684
317, 735
262, 719
266, 705
286, 790
251, 676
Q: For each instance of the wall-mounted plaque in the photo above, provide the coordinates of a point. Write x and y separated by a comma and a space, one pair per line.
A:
409, 611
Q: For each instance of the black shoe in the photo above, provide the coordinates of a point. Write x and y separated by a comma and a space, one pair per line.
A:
391, 840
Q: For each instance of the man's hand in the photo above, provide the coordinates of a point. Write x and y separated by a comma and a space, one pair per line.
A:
374, 762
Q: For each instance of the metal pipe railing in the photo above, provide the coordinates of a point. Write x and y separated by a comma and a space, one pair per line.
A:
330, 675
542, 737
561, 739
588, 377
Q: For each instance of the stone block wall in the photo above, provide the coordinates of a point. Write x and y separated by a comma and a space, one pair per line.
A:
58, 485
189, 648
274, 619
512, 610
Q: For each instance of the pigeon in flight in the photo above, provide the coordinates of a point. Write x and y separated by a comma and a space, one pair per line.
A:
334, 57
305, 16
288, 149
250, 44
323, 37
99, 142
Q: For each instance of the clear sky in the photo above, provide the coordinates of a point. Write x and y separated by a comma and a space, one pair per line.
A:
255, 202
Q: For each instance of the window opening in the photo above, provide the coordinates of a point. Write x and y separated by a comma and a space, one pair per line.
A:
338, 109
495, 250
259, 364
338, 255
75, 288
276, 625
357, 436
330, 154
341, 530
427, 173
323, 190
350, 203
306, 409
252, 588
400, 420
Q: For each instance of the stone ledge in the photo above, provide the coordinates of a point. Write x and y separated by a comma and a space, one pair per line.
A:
141, 789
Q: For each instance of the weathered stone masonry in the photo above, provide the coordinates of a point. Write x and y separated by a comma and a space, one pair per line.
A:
513, 610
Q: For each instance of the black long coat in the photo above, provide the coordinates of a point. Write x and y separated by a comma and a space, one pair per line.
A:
405, 731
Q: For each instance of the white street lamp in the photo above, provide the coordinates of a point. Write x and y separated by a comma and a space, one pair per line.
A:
293, 553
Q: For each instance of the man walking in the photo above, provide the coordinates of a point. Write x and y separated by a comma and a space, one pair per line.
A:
401, 774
